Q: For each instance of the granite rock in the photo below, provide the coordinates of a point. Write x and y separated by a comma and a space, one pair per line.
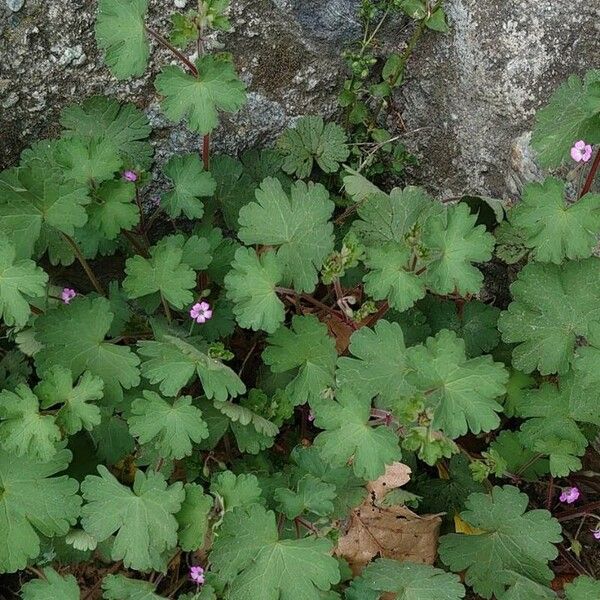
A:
465, 110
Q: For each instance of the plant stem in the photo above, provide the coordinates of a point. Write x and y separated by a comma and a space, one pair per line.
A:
166, 44
84, 263
587, 186
586, 509
410, 47
206, 151
307, 298
166, 309
131, 237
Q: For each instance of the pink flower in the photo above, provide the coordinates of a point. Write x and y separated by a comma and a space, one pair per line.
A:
596, 533
197, 575
311, 416
67, 295
129, 176
201, 312
570, 495
581, 152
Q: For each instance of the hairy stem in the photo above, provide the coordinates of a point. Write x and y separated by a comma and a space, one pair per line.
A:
587, 186
84, 263
166, 44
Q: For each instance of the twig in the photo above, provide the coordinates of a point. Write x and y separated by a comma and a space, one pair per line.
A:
580, 511
307, 298
84, 263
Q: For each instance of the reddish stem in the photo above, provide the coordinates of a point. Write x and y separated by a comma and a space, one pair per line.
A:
206, 151
587, 186
166, 44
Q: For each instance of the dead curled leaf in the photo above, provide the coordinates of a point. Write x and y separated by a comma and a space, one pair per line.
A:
391, 532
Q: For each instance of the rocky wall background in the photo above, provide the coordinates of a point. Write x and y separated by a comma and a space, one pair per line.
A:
465, 110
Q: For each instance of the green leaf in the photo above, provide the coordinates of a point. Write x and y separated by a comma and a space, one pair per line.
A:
119, 587
552, 305
572, 114
198, 99
76, 412
24, 431
308, 351
380, 363
142, 520
255, 563
249, 440
297, 225
513, 539
474, 322
391, 278
455, 242
172, 362
236, 490
14, 368
461, 392
555, 229
18, 280
244, 416
53, 586
518, 458
120, 33
524, 589
114, 208
387, 218
551, 427
349, 435
88, 160
124, 124
251, 286
165, 272
112, 440
32, 200
237, 180
349, 489
582, 588
193, 518
184, 30
190, 183
73, 336
310, 141
169, 427
449, 495
437, 21
310, 495
410, 581
33, 503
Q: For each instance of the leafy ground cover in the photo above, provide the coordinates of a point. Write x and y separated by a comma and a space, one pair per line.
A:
294, 381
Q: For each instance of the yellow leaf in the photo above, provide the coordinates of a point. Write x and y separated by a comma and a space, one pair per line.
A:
461, 526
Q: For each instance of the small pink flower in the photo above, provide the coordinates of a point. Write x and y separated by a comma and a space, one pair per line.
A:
596, 533
67, 295
581, 152
197, 575
201, 312
570, 495
311, 416
129, 176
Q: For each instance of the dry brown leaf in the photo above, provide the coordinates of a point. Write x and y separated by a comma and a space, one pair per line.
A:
396, 475
391, 532
341, 332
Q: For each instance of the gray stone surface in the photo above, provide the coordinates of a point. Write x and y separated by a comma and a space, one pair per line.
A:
465, 109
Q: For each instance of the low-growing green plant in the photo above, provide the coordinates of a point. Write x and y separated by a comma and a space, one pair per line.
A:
197, 387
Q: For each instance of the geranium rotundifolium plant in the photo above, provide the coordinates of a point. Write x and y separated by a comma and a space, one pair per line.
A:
222, 377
